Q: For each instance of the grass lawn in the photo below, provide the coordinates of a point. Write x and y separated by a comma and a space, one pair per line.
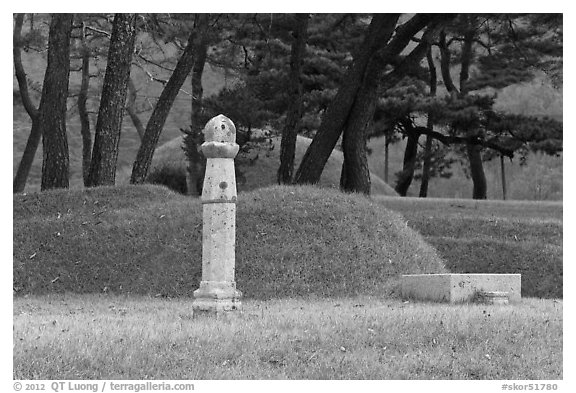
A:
103, 280
118, 337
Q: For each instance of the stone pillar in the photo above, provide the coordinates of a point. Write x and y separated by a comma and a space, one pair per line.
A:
217, 293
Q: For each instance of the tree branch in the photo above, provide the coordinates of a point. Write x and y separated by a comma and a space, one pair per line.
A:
154, 63
452, 139
99, 31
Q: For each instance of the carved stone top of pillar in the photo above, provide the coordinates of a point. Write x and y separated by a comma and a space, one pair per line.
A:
220, 138
220, 129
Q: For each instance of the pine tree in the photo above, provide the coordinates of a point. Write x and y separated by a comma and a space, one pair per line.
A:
290, 131
111, 111
52, 109
490, 57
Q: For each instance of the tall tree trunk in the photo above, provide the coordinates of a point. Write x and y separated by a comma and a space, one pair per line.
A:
158, 118
445, 60
374, 48
430, 125
36, 131
200, 54
503, 176
405, 177
380, 30
290, 131
52, 110
83, 110
196, 161
474, 153
111, 112
426, 166
355, 176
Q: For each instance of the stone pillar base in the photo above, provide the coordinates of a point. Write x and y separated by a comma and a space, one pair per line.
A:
216, 298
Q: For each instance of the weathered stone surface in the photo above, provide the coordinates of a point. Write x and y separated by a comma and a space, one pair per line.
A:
217, 293
218, 242
456, 288
219, 181
220, 129
219, 149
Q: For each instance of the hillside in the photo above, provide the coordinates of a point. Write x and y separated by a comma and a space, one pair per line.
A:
493, 237
291, 241
262, 172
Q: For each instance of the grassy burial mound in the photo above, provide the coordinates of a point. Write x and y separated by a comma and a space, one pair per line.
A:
493, 237
291, 241
260, 166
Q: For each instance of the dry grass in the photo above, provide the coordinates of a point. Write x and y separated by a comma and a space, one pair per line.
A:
109, 337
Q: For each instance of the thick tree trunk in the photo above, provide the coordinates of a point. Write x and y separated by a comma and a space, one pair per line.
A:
111, 112
160, 113
52, 110
381, 52
477, 171
380, 30
83, 110
355, 176
405, 177
36, 131
290, 131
